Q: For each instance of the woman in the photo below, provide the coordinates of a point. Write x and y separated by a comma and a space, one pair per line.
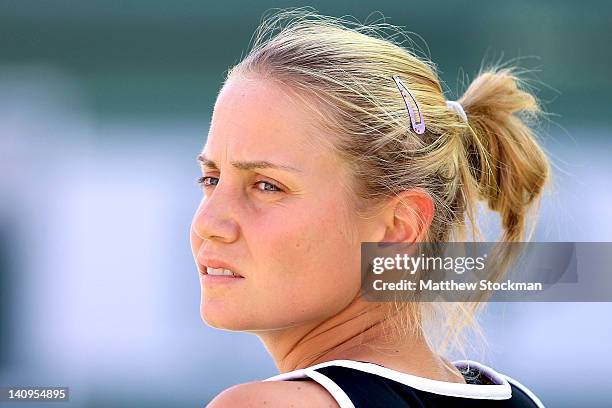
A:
326, 136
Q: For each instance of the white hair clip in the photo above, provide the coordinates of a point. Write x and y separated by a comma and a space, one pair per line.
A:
456, 106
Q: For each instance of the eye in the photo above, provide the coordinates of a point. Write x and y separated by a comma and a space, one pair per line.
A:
268, 187
207, 180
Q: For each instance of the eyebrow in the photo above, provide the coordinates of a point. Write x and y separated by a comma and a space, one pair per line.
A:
248, 165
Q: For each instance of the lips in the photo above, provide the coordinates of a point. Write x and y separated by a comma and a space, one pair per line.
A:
216, 263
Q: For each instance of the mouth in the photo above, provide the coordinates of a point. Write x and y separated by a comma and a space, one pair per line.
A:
219, 271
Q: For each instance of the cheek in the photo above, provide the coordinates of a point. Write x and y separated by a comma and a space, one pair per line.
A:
320, 235
310, 263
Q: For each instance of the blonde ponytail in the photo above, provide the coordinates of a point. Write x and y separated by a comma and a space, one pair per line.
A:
503, 157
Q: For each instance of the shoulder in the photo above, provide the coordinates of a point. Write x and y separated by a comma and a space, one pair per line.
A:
297, 394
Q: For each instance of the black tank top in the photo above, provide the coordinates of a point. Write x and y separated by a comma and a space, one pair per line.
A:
359, 384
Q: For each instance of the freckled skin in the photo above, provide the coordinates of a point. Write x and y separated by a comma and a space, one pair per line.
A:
291, 246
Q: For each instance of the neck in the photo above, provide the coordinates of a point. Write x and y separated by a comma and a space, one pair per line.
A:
361, 331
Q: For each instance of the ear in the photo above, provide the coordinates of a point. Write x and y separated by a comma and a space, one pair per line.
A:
409, 216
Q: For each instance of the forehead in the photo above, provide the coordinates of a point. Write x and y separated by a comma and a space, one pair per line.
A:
258, 116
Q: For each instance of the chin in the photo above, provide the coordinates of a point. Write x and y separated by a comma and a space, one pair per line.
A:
219, 317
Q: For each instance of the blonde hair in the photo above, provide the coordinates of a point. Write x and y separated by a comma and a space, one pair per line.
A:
345, 71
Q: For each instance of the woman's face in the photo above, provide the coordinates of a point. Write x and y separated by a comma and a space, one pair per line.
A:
289, 230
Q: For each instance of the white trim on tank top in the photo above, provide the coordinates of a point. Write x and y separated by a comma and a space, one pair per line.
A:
526, 390
501, 390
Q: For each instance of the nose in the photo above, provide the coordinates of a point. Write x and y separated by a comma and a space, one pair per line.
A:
214, 220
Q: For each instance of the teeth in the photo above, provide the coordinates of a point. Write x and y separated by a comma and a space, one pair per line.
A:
219, 271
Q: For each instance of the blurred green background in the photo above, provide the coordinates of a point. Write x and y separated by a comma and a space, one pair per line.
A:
168, 58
